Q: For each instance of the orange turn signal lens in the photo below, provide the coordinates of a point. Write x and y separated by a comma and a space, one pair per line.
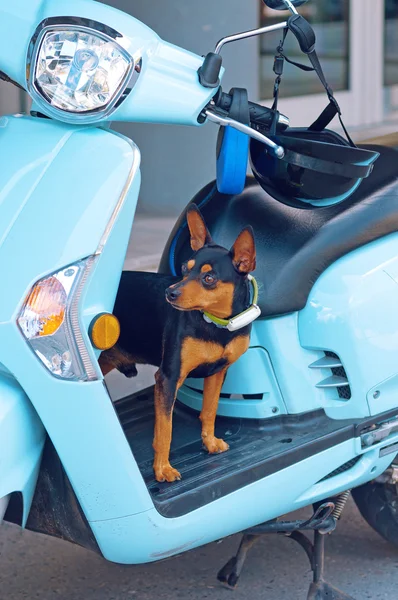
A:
46, 306
104, 331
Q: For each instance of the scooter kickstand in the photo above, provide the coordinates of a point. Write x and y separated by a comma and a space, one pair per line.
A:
230, 573
319, 589
323, 521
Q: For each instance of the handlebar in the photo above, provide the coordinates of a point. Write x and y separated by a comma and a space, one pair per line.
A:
259, 115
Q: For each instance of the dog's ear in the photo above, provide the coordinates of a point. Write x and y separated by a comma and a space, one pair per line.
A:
197, 228
244, 251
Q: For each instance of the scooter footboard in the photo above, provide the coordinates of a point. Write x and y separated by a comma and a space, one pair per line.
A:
22, 437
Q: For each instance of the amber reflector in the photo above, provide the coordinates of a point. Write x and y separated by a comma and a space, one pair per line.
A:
105, 331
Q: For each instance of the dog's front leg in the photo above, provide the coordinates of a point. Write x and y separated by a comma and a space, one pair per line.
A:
211, 394
165, 393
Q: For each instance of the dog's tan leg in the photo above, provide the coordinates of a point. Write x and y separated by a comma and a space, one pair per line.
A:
105, 364
165, 392
211, 393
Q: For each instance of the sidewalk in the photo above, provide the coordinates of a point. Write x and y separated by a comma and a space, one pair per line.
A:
147, 240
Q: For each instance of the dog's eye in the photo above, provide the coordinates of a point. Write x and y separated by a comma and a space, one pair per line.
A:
209, 279
184, 269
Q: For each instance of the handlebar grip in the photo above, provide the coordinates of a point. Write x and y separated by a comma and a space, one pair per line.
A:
259, 115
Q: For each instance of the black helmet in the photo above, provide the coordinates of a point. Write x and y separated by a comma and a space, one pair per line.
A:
320, 168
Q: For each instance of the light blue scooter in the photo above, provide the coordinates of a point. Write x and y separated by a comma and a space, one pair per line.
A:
310, 411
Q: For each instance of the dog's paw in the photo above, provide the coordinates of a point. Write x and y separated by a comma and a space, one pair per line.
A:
166, 473
215, 445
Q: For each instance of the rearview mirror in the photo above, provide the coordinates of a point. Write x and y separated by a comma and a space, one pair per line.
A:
282, 5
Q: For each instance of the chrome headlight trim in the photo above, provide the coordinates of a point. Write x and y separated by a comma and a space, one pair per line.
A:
86, 26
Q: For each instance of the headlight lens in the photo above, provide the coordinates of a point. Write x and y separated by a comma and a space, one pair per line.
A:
79, 71
76, 72
48, 321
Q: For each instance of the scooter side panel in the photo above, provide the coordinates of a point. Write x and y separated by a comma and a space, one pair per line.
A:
252, 384
352, 311
158, 537
168, 90
59, 188
60, 220
22, 437
287, 384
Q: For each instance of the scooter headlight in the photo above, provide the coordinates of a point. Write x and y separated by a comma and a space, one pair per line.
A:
77, 70
49, 322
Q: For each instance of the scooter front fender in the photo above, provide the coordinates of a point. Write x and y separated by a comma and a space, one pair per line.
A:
22, 437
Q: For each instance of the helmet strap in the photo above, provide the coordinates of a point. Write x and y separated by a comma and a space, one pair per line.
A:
305, 36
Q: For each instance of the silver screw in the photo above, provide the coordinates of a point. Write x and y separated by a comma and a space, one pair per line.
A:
274, 409
376, 394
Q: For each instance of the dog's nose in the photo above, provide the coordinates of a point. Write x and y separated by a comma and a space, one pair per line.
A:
172, 294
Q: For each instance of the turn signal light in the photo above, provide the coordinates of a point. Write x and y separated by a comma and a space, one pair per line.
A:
44, 309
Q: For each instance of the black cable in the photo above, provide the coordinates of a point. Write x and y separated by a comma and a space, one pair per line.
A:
7, 79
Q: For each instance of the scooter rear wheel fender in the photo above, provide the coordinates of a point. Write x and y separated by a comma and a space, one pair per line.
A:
377, 503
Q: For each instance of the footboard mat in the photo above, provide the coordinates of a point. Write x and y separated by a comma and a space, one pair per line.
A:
258, 448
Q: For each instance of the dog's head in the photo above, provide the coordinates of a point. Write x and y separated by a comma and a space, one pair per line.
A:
214, 276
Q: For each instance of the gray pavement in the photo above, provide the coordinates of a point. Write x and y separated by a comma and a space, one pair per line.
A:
35, 566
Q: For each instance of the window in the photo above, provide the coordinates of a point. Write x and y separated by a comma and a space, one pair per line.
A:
331, 22
391, 43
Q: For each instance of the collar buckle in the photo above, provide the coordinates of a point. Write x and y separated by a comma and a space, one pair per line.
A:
242, 319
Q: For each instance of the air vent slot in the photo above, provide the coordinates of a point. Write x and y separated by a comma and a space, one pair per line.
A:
338, 378
230, 396
346, 467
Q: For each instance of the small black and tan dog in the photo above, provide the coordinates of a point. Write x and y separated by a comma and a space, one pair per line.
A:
181, 342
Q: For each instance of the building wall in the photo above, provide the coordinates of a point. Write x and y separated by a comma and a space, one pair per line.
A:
176, 160
9, 98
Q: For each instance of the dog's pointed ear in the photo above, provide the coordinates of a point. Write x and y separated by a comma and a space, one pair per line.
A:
244, 251
197, 228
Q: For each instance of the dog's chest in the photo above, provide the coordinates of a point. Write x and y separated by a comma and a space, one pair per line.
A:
200, 358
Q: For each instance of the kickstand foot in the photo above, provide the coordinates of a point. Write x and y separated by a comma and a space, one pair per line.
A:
319, 589
325, 591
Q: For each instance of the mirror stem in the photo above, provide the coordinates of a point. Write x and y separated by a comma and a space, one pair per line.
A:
291, 7
247, 34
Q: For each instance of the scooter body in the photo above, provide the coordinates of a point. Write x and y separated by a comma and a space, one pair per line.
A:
350, 312
68, 197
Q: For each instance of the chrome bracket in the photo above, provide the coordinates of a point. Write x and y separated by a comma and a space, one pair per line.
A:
377, 435
253, 133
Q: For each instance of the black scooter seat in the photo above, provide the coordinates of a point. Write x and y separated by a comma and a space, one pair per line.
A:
295, 246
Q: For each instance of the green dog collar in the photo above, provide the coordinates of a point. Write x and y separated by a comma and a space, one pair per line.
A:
242, 319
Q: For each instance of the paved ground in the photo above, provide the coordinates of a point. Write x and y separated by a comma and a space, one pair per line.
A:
34, 566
